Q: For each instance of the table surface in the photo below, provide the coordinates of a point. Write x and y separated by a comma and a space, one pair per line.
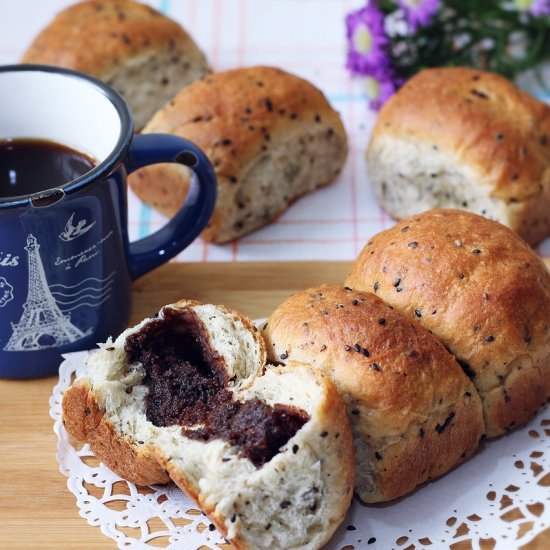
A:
306, 38
36, 508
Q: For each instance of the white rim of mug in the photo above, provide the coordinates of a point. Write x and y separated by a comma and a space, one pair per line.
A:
108, 165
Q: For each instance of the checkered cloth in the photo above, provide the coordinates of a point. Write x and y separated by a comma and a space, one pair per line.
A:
305, 37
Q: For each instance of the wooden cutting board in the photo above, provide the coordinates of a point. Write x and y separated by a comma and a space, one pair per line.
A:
37, 511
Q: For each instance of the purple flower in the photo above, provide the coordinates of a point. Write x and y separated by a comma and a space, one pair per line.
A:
379, 87
419, 13
536, 8
366, 40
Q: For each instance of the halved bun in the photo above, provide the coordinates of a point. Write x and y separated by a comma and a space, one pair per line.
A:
266, 453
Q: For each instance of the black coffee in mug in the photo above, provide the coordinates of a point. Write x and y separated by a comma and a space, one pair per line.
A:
66, 261
28, 166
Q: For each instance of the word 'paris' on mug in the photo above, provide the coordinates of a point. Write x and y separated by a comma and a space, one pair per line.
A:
66, 263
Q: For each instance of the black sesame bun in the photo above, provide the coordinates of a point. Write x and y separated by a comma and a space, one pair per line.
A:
146, 56
458, 137
479, 288
270, 135
415, 414
265, 452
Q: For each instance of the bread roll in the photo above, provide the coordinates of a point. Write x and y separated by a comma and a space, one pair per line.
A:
268, 456
270, 135
414, 413
482, 291
468, 139
144, 55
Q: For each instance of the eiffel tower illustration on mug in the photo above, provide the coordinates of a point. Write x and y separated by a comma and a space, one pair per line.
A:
42, 324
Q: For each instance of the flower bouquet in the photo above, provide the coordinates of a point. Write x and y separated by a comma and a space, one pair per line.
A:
390, 40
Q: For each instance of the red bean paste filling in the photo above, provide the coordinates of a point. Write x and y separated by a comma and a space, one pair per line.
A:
187, 383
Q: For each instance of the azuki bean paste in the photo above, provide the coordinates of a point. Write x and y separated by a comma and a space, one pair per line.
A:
187, 384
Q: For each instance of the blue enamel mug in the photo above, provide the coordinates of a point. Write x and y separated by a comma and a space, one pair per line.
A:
66, 263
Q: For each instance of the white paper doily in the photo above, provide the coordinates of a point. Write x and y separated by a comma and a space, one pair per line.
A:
503, 494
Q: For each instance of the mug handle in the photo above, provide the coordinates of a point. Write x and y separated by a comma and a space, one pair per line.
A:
156, 249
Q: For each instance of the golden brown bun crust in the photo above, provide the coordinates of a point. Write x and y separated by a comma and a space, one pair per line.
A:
399, 393
84, 420
208, 113
236, 117
95, 35
483, 118
479, 288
